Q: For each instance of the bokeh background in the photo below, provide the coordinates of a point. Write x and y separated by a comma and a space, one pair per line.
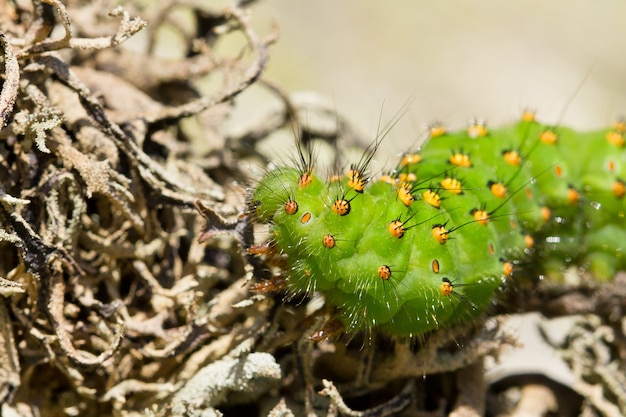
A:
458, 59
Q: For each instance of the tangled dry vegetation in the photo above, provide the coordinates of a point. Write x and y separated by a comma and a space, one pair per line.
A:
124, 280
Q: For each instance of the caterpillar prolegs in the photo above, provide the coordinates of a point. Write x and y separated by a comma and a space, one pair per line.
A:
430, 243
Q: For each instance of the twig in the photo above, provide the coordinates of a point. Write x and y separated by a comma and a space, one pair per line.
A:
126, 29
11, 83
390, 408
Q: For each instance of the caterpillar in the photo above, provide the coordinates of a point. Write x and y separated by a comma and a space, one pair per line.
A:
431, 242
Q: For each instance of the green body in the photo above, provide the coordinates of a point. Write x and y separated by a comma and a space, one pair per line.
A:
589, 232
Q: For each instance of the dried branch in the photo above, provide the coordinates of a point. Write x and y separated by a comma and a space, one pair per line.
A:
127, 28
11, 83
390, 408
9, 361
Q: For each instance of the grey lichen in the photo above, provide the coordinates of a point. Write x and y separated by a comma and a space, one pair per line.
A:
252, 374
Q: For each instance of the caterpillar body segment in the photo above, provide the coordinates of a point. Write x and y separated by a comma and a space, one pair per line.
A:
455, 215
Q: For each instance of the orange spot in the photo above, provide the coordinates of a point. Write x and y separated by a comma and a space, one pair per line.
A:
491, 249
435, 266
548, 137
572, 196
528, 116
481, 216
452, 184
619, 188
460, 160
384, 272
512, 224
305, 179
334, 178
529, 241
546, 213
405, 195
558, 170
529, 193
616, 138
305, 218
329, 241
620, 126
507, 269
446, 287
497, 189
437, 131
396, 228
611, 166
440, 233
291, 207
341, 206
432, 198
512, 158
356, 180
477, 130
410, 159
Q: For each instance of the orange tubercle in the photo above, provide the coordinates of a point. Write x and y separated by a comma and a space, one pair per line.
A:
436, 131
356, 180
396, 228
447, 288
384, 272
481, 216
452, 184
291, 207
497, 189
619, 188
512, 158
548, 137
410, 159
405, 194
477, 130
432, 198
616, 138
329, 241
572, 196
528, 116
341, 206
529, 241
440, 233
507, 269
305, 179
460, 160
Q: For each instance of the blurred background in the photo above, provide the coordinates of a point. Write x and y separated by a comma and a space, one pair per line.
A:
458, 59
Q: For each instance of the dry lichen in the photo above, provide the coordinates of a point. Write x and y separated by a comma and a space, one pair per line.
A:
106, 290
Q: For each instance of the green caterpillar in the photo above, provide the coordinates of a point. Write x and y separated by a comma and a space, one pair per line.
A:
430, 243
